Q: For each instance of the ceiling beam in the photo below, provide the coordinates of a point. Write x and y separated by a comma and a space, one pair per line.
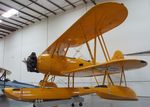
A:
43, 7
2, 35
9, 26
19, 21
20, 11
85, 1
11, 23
29, 8
4, 31
93, 1
6, 27
2, 10
56, 5
30, 15
26, 19
70, 3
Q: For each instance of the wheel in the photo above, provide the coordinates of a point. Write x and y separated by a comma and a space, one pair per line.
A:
72, 105
80, 104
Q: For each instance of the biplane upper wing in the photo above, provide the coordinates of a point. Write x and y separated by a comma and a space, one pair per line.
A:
113, 66
98, 20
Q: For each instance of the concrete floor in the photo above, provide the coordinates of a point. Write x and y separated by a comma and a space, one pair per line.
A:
90, 101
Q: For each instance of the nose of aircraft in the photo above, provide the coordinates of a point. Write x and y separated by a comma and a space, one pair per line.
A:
32, 63
5, 91
8, 92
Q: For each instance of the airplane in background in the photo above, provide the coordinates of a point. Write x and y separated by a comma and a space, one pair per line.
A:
55, 62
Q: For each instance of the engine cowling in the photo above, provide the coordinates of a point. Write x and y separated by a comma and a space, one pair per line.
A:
32, 63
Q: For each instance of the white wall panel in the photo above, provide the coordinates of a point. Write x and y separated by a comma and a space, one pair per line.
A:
34, 39
12, 57
1, 52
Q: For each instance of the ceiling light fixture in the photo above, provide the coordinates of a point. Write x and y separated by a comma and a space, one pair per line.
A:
10, 13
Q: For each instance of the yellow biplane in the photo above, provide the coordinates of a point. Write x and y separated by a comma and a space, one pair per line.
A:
54, 61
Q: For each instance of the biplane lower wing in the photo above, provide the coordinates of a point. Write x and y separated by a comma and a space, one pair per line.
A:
112, 67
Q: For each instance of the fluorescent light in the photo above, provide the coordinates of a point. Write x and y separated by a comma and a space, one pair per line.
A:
10, 13
0, 21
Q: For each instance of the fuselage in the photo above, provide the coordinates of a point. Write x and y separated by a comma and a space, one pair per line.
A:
55, 65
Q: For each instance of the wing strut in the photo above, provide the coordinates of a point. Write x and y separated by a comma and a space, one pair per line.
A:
67, 49
68, 80
104, 78
104, 48
87, 44
108, 78
73, 81
90, 52
54, 49
95, 33
45, 80
95, 78
94, 60
123, 76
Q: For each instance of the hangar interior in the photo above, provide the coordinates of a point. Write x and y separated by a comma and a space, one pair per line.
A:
22, 34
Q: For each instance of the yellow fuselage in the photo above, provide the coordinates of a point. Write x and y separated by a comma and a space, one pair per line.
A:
55, 65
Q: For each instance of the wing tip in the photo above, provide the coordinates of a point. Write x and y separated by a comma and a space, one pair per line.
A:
143, 62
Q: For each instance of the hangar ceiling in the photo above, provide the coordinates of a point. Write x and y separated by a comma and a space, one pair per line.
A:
31, 11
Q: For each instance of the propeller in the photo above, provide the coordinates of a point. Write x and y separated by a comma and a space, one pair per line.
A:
31, 62
24, 60
143, 53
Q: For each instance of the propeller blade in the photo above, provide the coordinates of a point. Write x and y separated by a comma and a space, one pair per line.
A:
24, 61
144, 53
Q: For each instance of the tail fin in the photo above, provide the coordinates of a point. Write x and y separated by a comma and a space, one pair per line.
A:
118, 55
